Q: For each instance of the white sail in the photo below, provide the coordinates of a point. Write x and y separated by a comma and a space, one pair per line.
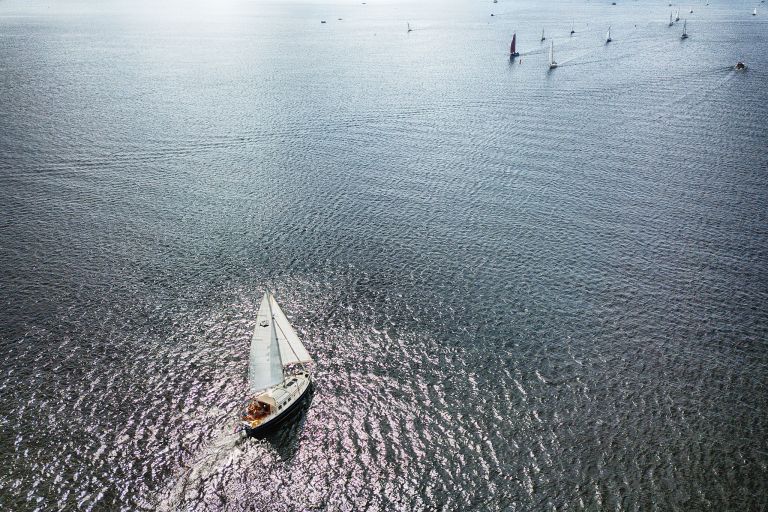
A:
551, 52
608, 36
291, 348
265, 368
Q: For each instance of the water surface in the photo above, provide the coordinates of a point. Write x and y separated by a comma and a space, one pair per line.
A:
524, 289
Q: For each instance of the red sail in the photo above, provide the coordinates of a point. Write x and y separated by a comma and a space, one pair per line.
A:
512, 47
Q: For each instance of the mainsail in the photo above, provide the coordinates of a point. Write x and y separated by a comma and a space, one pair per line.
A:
291, 349
265, 368
512, 46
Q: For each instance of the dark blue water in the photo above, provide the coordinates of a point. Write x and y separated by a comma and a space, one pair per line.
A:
524, 289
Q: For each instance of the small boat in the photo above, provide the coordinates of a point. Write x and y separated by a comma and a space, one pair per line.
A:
685, 32
608, 36
754, 11
278, 389
670, 20
513, 47
691, 11
572, 30
322, 21
552, 63
740, 66
409, 27
542, 35
677, 15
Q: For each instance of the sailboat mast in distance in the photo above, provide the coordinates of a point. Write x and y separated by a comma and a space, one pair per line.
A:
552, 63
513, 47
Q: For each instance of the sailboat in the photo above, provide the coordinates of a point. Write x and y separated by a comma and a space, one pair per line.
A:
754, 11
572, 29
409, 27
685, 33
552, 63
542, 35
513, 47
277, 389
608, 36
670, 19
677, 15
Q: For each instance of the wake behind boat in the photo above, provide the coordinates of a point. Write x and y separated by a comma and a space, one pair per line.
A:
278, 387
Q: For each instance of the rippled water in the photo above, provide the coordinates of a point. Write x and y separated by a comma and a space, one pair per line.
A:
524, 290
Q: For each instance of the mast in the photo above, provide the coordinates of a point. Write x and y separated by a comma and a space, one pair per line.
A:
551, 53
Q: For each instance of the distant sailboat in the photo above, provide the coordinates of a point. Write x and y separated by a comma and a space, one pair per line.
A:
409, 27
677, 15
608, 36
513, 47
685, 33
754, 11
691, 11
572, 30
552, 63
542, 35
670, 20
274, 346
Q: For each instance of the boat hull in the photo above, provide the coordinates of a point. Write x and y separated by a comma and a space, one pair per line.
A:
274, 423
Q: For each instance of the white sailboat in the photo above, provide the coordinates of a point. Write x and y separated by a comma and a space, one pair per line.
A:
685, 32
754, 11
277, 387
677, 15
542, 35
409, 27
608, 36
552, 63
670, 19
